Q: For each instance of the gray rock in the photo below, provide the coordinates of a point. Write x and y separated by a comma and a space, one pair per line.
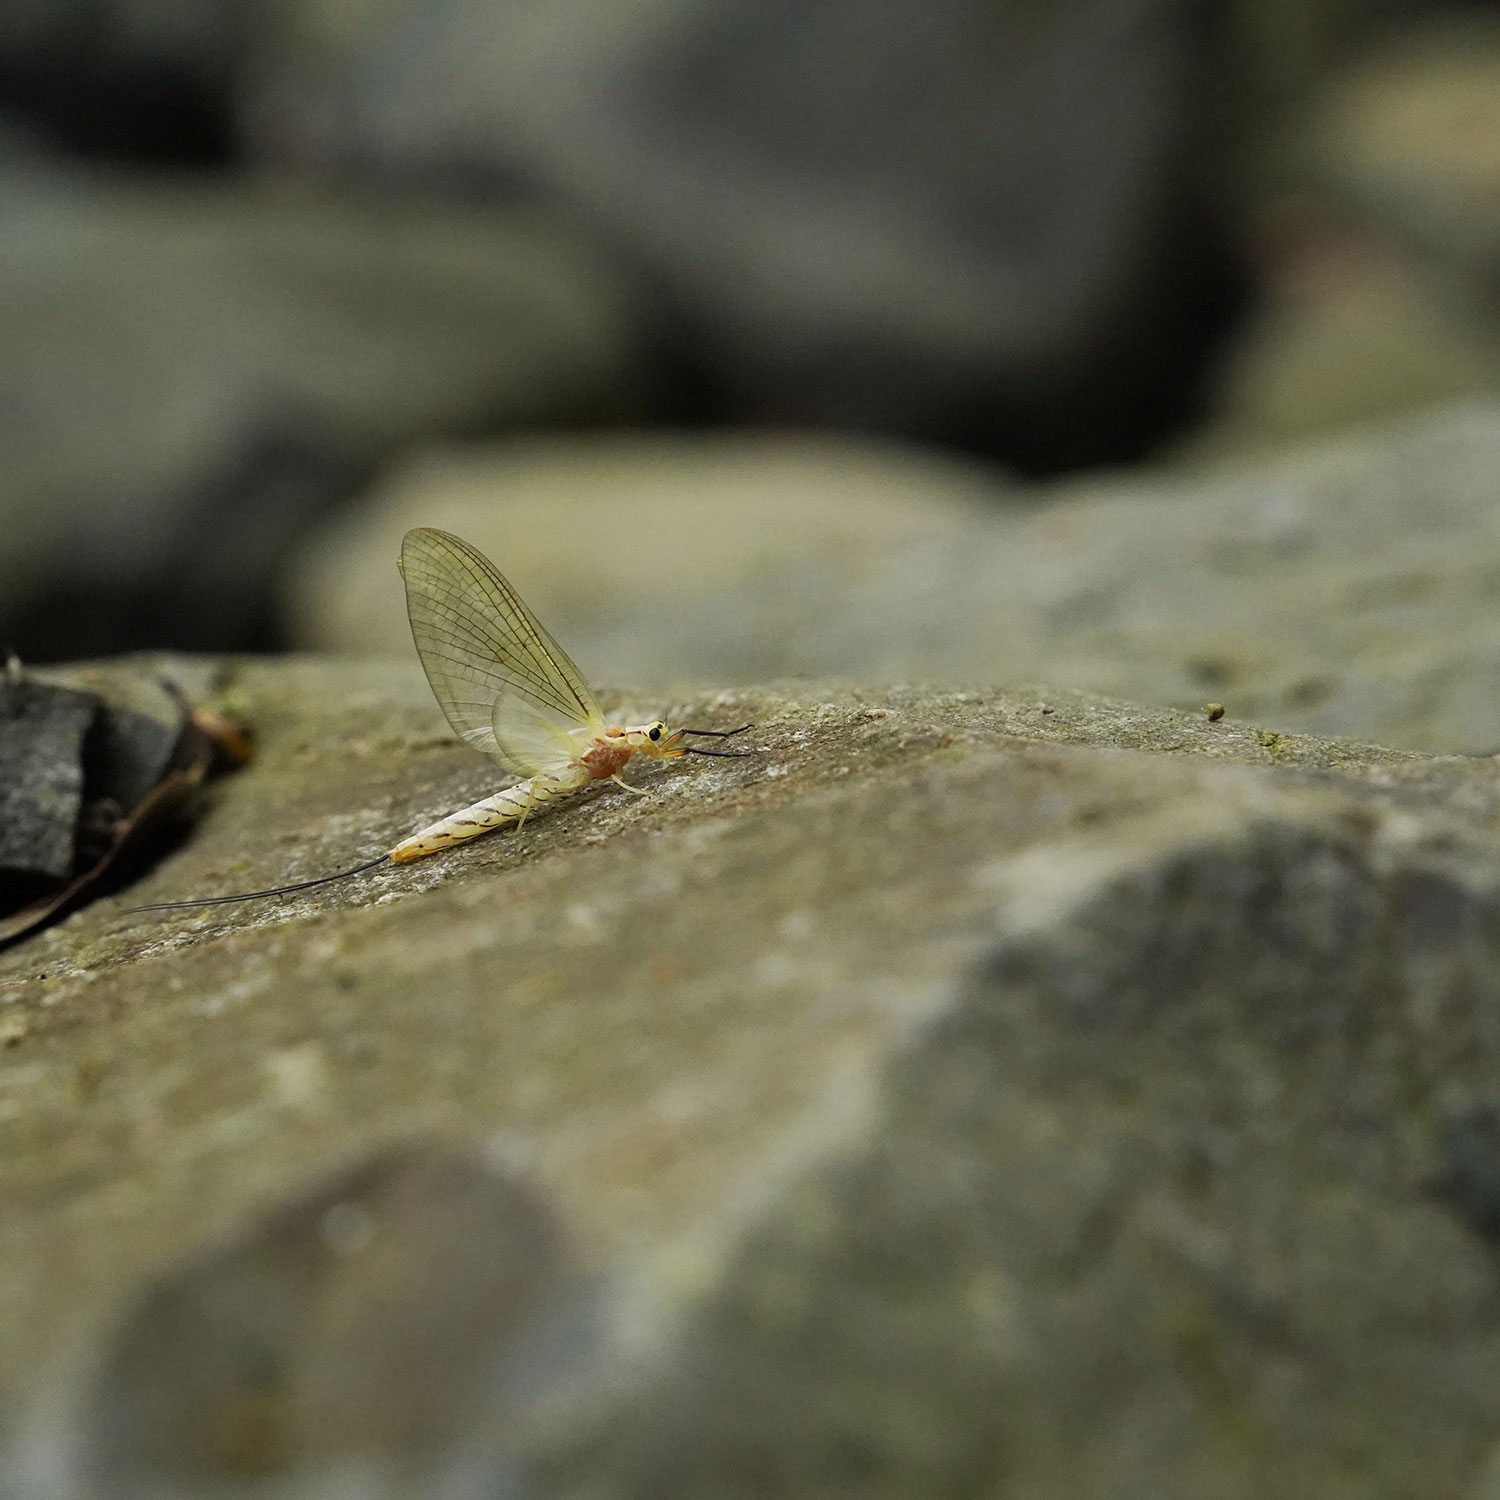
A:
194, 373
951, 222
341, 1333
973, 1093
1345, 588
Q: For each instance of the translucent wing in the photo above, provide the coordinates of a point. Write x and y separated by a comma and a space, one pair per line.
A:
529, 740
478, 641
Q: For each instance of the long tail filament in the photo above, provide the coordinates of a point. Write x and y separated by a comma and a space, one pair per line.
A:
276, 890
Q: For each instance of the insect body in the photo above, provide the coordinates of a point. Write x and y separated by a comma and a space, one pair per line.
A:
511, 692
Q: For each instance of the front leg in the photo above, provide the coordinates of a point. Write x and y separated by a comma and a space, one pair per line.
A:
634, 791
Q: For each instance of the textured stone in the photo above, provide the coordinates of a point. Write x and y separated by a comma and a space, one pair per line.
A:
972, 1093
42, 730
1344, 588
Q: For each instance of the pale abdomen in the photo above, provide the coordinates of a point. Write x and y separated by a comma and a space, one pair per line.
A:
510, 806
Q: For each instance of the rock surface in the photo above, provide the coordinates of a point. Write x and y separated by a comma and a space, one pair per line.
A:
973, 1093
1348, 588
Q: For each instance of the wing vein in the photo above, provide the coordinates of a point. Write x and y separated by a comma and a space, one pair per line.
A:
478, 642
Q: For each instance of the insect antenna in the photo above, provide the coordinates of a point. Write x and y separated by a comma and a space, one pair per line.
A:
718, 734
276, 890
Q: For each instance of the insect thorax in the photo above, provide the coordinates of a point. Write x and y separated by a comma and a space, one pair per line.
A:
607, 757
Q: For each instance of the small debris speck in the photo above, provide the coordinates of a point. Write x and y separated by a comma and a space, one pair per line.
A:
1214, 711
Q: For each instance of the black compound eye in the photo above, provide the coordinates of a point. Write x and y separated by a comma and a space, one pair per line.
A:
654, 732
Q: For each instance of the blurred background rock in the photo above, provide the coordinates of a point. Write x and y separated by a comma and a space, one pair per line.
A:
763, 336
1146, 347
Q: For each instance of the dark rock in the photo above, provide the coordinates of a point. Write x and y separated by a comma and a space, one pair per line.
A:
131, 753
138, 762
125, 80
42, 732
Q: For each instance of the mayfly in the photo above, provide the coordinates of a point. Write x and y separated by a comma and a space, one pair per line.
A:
509, 690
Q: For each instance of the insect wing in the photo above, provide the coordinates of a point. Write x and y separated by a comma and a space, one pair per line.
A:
529, 740
479, 643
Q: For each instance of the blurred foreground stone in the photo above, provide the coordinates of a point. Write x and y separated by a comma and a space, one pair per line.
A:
973, 1094
1344, 588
